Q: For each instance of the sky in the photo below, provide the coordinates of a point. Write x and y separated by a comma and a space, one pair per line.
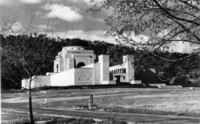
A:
61, 18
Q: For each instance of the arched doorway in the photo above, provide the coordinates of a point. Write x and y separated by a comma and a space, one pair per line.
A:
57, 67
80, 64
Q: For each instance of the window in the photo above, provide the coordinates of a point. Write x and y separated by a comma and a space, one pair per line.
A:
124, 77
124, 70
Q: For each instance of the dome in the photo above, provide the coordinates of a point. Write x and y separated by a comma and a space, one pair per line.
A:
77, 42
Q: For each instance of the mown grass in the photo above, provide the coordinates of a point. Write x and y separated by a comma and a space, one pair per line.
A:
179, 102
176, 102
23, 118
19, 118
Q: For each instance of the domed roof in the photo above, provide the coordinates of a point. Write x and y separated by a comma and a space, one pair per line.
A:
77, 42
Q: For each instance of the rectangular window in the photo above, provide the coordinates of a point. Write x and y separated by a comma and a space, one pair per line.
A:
124, 77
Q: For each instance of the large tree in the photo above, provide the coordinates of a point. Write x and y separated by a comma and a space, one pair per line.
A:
164, 22
30, 54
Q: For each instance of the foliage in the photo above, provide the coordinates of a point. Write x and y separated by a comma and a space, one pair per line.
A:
12, 71
26, 53
31, 54
157, 24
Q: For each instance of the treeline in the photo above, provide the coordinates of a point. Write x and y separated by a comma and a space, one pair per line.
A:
12, 71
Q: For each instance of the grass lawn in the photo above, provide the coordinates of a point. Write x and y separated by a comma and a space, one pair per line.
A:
184, 102
13, 117
23, 118
180, 102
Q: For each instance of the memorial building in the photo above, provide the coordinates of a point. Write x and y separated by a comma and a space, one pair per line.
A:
75, 66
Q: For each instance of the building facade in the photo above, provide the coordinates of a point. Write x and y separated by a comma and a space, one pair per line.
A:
124, 72
75, 66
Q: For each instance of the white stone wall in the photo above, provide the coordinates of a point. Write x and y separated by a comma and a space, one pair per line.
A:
128, 61
65, 78
104, 69
25, 83
62, 62
57, 65
71, 63
38, 81
97, 74
67, 59
84, 76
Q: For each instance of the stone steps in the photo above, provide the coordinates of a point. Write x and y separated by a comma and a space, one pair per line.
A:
171, 87
164, 86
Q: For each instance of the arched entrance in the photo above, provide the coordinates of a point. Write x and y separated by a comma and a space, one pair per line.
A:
57, 67
80, 64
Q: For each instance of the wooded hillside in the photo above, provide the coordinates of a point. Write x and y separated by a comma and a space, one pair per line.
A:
12, 72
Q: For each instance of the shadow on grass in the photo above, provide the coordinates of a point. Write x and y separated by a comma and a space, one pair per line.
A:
150, 111
125, 85
59, 120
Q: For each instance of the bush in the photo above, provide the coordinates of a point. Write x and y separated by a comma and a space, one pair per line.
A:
182, 80
187, 80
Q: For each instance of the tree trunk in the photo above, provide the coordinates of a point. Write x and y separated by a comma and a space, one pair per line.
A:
30, 102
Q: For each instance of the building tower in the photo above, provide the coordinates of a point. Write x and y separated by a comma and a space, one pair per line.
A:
74, 55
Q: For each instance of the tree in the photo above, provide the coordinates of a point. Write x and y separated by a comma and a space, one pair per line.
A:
32, 54
164, 22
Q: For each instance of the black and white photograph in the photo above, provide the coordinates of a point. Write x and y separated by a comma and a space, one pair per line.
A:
100, 61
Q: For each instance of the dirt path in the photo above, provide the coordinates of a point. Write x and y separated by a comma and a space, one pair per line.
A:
137, 118
23, 100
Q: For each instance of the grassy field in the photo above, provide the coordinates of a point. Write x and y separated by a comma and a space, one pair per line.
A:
179, 102
23, 118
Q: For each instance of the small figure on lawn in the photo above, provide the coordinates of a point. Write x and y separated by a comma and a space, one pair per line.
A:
90, 102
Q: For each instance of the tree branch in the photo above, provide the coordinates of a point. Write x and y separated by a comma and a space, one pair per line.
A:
175, 17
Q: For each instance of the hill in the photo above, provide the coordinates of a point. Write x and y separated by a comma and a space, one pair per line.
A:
182, 72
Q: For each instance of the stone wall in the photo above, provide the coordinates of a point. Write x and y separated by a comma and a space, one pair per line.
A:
84, 76
104, 69
97, 74
38, 81
65, 78
128, 62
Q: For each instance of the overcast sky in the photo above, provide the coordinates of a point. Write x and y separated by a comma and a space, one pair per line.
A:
65, 18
